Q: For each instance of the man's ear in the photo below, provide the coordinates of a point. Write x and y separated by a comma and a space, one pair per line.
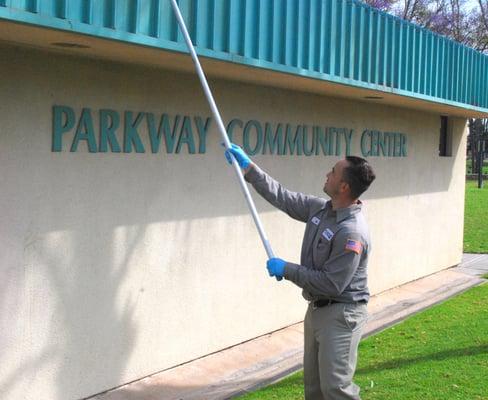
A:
345, 187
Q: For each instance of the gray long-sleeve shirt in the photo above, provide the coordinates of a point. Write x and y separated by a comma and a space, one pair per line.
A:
336, 243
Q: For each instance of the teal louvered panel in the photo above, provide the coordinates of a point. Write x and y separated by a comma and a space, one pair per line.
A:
343, 41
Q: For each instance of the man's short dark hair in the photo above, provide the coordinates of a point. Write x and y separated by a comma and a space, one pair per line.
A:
358, 175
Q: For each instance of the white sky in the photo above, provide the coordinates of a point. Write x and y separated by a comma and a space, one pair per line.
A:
473, 3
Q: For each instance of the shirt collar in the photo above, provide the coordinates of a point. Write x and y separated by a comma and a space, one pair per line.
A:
343, 213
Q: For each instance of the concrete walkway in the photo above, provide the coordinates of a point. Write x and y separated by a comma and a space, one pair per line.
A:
268, 358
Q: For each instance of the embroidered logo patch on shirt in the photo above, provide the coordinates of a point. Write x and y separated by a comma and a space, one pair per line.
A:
354, 245
315, 221
328, 234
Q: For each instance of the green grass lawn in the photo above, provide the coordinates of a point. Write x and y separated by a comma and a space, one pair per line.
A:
476, 218
441, 353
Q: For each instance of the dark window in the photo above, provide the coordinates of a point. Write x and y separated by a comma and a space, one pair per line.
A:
445, 139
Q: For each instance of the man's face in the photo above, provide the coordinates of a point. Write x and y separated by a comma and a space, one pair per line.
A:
334, 183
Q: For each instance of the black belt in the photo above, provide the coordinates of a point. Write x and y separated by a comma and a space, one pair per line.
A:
327, 302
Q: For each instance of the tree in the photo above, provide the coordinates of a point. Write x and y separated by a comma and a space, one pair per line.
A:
383, 5
482, 31
421, 12
456, 19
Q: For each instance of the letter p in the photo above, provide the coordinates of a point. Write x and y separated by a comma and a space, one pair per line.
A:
63, 121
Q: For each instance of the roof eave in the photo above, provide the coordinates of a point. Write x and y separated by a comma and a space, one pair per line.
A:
128, 48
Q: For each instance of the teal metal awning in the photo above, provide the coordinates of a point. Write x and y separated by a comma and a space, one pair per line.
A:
343, 42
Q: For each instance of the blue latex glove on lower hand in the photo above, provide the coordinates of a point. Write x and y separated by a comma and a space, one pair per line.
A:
276, 267
242, 158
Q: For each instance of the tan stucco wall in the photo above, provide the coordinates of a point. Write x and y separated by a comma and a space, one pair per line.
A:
115, 266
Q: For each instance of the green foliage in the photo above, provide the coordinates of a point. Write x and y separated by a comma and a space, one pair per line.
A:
469, 167
476, 218
441, 353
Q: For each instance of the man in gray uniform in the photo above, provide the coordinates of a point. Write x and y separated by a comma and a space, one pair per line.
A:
332, 270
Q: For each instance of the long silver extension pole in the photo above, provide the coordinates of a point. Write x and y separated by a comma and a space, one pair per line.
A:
221, 128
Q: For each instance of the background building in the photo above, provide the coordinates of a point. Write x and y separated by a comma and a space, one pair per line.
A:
126, 246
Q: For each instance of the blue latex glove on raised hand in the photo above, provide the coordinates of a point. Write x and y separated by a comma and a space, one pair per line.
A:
276, 267
242, 158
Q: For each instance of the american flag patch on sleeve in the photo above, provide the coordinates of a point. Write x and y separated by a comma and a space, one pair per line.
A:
354, 245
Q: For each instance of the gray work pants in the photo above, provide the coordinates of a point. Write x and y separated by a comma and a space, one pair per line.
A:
332, 335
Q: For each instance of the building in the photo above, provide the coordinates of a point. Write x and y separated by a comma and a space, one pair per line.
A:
126, 246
